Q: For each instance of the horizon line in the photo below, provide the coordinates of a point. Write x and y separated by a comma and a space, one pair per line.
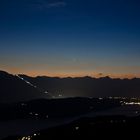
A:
125, 76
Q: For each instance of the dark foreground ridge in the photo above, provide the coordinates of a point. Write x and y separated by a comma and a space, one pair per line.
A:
89, 128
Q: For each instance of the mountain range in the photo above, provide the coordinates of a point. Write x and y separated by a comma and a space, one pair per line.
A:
15, 88
87, 86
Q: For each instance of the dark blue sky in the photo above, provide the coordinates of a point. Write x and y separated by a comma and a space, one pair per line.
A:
70, 37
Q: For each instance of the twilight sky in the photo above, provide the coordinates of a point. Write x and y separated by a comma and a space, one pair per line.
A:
70, 37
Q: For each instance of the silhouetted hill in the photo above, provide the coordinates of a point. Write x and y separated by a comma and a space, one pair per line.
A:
87, 86
13, 89
55, 108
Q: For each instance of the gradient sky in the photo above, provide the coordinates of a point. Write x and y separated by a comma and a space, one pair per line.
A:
70, 37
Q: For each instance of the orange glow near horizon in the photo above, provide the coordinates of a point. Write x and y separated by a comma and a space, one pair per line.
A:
62, 74
73, 71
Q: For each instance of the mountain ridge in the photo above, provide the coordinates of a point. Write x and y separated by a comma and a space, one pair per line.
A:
87, 86
14, 89
22, 87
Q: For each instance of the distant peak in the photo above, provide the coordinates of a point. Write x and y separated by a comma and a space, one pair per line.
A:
3, 72
106, 77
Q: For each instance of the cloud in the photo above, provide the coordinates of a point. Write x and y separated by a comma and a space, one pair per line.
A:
56, 4
43, 4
